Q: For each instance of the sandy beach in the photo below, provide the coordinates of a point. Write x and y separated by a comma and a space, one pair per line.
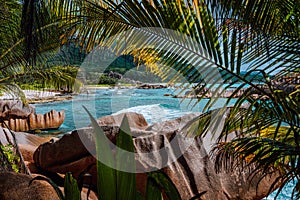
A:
37, 96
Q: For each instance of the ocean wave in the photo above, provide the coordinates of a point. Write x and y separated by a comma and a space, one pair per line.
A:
155, 112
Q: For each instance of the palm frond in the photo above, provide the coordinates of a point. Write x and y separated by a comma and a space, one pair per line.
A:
207, 42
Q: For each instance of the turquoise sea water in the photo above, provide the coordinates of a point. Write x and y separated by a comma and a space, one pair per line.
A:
151, 103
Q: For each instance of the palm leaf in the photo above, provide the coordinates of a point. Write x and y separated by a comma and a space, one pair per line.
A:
207, 38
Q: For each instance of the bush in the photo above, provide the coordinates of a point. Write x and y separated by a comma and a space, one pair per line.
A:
107, 80
12, 158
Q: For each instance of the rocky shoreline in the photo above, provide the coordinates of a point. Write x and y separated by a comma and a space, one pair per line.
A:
18, 185
192, 173
49, 99
17, 116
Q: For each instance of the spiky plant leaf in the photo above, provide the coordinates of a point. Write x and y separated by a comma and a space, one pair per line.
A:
106, 173
125, 163
71, 189
153, 191
165, 184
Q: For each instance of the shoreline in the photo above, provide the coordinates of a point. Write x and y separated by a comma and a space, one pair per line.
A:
49, 99
37, 96
105, 87
47, 95
40, 96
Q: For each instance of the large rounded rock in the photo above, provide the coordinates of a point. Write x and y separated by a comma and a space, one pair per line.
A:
58, 153
19, 117
15, 186
15, 109
27, 143
22, 138
50, 120
172, 125
185, 160
151, 86
135, 120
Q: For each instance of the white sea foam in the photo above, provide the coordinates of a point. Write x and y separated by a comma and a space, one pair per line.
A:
155, 112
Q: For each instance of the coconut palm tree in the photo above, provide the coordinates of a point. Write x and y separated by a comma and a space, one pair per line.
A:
20, 64
19, 61
211, 42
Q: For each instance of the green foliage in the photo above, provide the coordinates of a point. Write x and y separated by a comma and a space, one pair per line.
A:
121, 65
104, 79
71, 188
143, 76
161, 181
27, 46
10, 23
152, 190
11, 156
